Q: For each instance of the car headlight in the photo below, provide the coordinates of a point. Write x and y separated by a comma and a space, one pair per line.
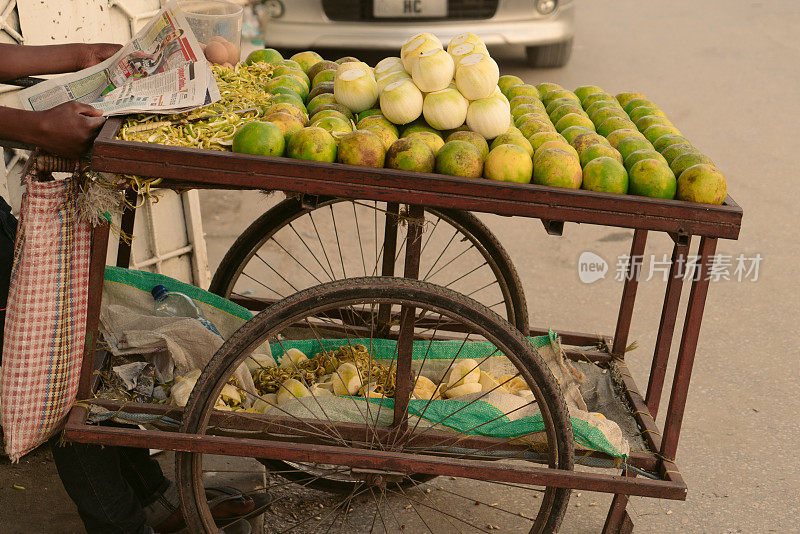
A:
273, 8
545, 7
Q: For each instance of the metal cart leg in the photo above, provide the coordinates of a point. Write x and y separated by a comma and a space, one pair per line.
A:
688, 347
618, 521
405, 339
97, 268
666, 329
389, 252
126, 227
629, 293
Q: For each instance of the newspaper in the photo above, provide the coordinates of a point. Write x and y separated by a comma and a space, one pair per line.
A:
161, 70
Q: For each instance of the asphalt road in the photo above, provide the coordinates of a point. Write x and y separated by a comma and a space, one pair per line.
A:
726, 74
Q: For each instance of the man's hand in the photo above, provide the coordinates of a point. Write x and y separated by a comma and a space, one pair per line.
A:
67, 129
92, 54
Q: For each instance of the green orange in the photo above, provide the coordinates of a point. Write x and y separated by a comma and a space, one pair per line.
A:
598, 151
557, 168
459, 158
410, 154
606, 175
702, 183
259, 137
651, 178
313, 144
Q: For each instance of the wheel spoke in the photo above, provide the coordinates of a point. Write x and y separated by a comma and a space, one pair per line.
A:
262, 284
271, 268
443, 512
338, 244
466, 274
449, 262
358, 236
416, 511
378, 503
329, 275
439, 257
321, 244
298, 262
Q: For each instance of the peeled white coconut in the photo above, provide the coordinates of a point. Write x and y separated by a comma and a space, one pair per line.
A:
499, 94
348, 65
355, 88
179, 393
259, 361
490, 383
230, 395
317, 391
433, 70
445, 109
401, 102
292, 358
416, 36
464, 372
370, 393
390, 78
463, 50
465, 38
291, 389
264, 402
346, 380
424, 388
513, 385
387, 65
489, 117
463, 389
477, 76
411, 51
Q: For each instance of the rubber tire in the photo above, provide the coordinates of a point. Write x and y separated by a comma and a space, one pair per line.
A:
221, 366
291, 208
549, 56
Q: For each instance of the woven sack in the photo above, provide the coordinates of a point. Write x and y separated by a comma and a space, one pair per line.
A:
46, 315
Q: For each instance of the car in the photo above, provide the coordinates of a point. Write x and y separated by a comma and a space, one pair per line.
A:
544, 27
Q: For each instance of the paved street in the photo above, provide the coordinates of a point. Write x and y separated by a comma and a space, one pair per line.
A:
726, 75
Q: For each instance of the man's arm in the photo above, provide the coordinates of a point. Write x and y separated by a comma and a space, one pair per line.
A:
68, 129
17, 60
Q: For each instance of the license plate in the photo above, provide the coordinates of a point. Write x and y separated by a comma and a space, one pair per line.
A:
409, 8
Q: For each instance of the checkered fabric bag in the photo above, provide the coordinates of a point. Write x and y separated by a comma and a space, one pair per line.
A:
46, 315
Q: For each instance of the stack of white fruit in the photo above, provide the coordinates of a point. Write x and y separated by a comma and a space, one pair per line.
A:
448, 87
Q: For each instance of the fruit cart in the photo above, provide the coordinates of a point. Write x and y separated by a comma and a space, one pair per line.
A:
384, 457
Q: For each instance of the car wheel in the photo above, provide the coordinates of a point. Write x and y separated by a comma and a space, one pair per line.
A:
550, 55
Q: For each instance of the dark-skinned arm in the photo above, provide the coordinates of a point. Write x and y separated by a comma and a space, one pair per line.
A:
17, 61
67, 129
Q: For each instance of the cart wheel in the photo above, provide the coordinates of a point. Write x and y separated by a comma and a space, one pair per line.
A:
383, 451
293, 247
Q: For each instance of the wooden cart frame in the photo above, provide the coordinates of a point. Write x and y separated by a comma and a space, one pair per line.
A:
182, 168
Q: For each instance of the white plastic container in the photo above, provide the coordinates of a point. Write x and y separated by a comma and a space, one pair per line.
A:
218, 27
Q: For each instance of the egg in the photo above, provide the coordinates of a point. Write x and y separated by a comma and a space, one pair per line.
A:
216, 52
233, 52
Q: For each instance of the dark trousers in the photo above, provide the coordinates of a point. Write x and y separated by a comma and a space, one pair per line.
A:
111, 486
8, 232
